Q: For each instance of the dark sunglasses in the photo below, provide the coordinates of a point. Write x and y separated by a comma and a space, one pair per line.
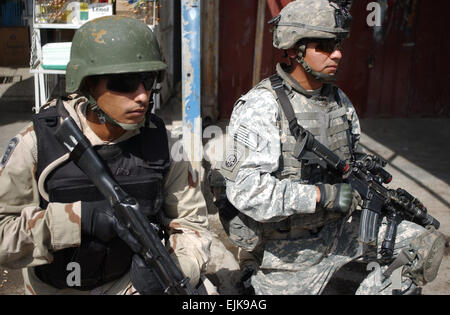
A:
328, 45
129, 82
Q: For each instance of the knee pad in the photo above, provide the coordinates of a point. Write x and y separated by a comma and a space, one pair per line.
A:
428, 251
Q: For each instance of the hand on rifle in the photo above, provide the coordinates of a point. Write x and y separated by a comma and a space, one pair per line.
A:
144, 278
338, 197
99, 221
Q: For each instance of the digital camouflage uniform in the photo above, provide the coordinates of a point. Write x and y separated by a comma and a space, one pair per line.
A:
270, 210
29, 234
300, 245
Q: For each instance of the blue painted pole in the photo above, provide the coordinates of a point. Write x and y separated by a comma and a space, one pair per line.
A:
191, 80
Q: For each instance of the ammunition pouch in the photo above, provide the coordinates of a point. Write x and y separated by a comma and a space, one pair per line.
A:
242, 230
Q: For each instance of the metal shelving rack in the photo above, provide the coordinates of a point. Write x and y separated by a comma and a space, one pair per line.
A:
44, 80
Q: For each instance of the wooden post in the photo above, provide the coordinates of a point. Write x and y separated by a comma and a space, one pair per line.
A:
259, 36
210, 61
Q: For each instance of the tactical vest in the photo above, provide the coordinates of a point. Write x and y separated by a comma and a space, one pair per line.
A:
138, 164
326, 119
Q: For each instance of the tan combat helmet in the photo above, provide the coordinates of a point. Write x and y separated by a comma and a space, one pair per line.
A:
303, 20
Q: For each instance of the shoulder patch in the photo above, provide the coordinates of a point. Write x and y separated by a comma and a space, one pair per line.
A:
9, 150
235, 155
231, 159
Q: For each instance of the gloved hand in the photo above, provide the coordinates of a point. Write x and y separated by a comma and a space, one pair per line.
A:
143, 278
245, 283
99, 221
337, 198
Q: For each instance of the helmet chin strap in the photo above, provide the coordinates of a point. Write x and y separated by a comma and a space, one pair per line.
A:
322, 77
104, 117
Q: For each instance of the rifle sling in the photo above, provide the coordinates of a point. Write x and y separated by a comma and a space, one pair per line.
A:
349, 137
277, 85
82, 145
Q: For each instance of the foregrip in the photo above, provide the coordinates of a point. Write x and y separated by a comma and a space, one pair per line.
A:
387, 247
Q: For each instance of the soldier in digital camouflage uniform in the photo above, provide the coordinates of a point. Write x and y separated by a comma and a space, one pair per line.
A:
293, 222
50, 213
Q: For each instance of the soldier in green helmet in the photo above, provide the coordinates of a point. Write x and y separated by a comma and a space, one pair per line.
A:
295, 223
53, 222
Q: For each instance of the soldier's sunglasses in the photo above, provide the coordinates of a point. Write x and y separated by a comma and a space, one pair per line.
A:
328, 45
129, 82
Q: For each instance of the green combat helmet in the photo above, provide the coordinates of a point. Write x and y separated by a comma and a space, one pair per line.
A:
301, 20
112, 45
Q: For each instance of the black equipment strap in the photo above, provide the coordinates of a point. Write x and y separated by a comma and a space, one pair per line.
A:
349, 136
277, 85
82, 145
61, 110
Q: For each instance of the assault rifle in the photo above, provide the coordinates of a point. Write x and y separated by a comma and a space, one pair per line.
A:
126, 207
367, 176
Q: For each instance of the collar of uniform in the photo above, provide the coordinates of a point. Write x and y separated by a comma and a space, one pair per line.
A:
292, 84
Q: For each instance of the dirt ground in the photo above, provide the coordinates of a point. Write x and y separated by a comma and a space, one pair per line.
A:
417, 151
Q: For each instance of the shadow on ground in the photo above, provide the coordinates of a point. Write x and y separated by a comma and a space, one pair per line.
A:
422, 141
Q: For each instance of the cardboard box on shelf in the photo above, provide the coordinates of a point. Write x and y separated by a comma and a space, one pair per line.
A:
14, 46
